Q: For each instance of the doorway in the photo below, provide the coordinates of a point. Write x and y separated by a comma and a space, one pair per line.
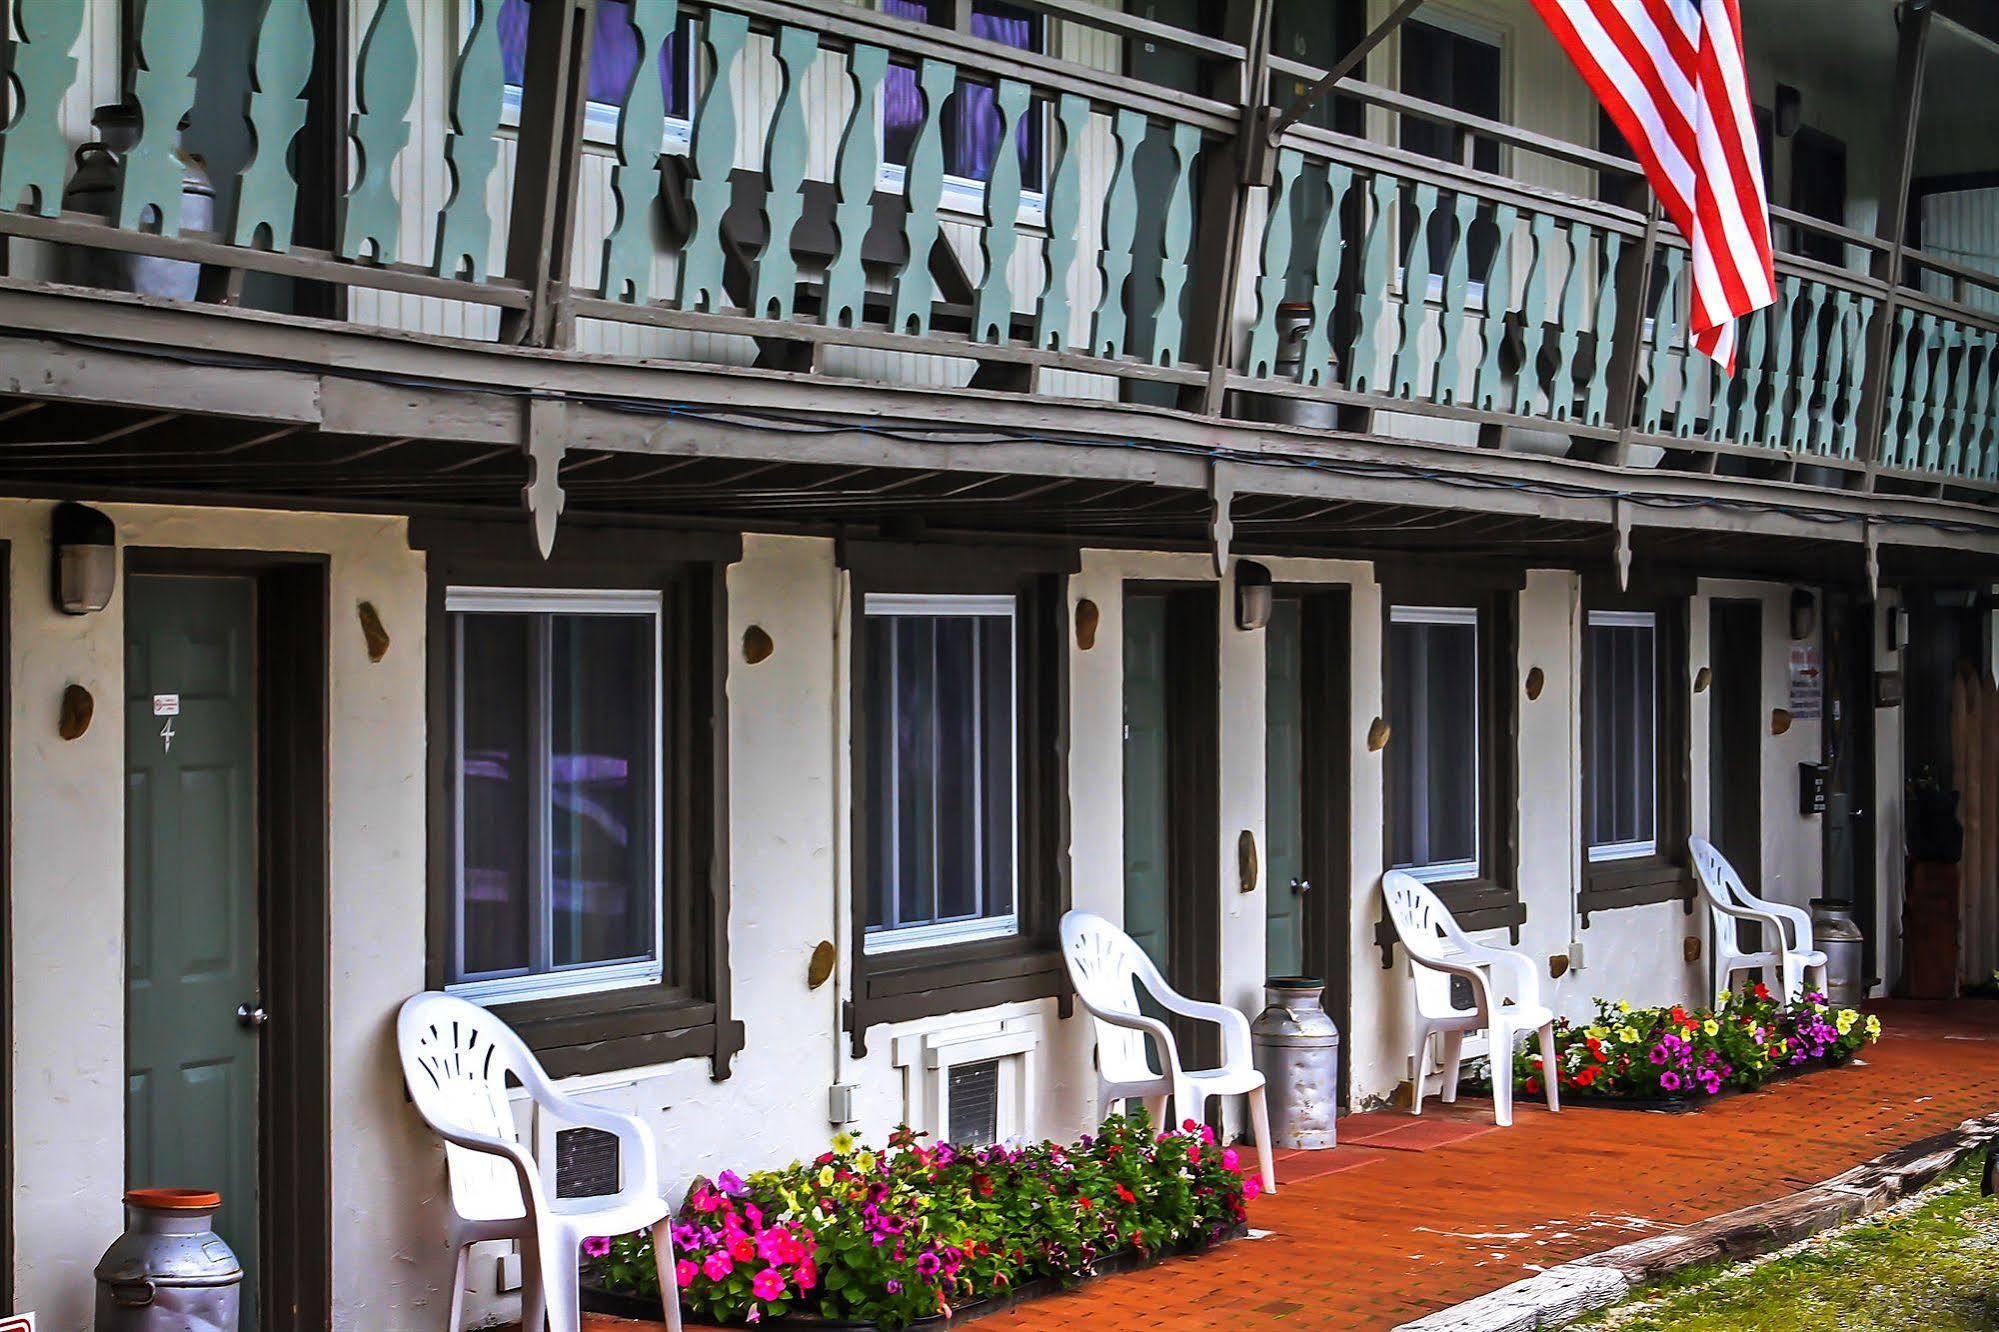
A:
226, 976
1849, 759
1735, 742
1307, 892
1172, 809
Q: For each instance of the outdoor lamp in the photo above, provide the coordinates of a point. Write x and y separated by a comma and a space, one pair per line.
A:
1252, 595
86, 558
1804, 614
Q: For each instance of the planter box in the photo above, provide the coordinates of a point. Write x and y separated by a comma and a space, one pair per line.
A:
1665, 1105
619, 1304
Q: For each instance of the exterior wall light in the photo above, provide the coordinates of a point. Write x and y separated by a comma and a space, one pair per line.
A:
85, 564
1252, 595
1804, 614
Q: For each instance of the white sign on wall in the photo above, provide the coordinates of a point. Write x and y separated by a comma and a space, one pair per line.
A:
1807, 682
17, 1322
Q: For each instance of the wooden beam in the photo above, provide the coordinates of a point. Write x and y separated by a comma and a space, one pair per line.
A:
1897, 170
542, 221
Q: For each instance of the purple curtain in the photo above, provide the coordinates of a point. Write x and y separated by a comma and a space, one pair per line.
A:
971, 122
614, 49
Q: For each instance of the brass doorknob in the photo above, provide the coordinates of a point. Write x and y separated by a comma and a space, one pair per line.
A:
246, 1016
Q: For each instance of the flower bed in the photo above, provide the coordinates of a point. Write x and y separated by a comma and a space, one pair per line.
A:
1680, 1056
914, 1231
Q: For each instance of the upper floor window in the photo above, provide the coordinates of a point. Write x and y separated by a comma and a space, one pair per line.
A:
1433, 761
1621, 734
555, 780
970, 127
614, 51
1458, 66
940, 781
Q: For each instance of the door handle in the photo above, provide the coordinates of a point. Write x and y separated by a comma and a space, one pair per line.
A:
246, 1016
1301, 886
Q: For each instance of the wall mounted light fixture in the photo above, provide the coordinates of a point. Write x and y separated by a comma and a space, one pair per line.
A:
1252, 595
85, 558
1804, 614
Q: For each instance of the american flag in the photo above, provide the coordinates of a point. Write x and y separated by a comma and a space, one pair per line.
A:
1670, 74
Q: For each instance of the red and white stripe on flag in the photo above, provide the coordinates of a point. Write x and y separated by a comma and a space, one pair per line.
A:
1670, 73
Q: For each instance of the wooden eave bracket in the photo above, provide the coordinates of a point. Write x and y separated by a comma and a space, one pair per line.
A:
1620, 518
1221, 527
1871, 539
544, 434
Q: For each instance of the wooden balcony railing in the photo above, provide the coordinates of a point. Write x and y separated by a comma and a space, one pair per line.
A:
773, 230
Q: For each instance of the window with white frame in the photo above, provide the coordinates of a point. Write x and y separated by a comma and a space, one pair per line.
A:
1621, 763
1433, 763
941, 780
970, 125
555, 788
614, 47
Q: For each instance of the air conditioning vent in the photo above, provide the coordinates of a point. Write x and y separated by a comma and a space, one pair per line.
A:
974, 1103
586, 1163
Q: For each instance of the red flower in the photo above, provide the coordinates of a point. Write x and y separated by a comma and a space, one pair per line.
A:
1586, 1077
1762, 992
1126, 1195
1532, 1086
983, 1185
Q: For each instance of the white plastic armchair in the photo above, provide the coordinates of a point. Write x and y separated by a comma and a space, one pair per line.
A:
1108, 970
456, 1057
1506, 996
1787, 948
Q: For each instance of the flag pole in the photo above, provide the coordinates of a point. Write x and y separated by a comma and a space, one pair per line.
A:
1348, 63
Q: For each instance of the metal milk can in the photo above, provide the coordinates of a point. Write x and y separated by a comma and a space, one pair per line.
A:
1298, 1052
1836, 934
94, 190
169, 1271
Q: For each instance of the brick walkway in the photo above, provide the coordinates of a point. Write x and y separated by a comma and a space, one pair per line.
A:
1420, 1220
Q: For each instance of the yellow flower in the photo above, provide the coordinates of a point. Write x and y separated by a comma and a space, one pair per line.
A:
865, 1163
1597, 1033
826, 1177
843, 1142
1629, 1035
1624, 1005
1711, 1027
1845, 1021
1873, 1026
1721, 1000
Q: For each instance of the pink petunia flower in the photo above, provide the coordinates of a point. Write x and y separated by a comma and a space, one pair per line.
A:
1231, 1158
1251, 1187
684, 1272
596, 1246
767, 1284
718, 1265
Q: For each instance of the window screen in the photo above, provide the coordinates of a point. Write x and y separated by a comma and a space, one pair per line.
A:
1433, 753
973, 1097
1621, 763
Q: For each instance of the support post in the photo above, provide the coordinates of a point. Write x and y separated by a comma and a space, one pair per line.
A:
1898, 169
1634, 287
542, 222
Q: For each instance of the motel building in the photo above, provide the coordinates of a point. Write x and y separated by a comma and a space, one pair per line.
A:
712, 567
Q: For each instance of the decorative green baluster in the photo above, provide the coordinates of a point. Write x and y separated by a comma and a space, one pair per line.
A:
1805, 318
1777, 422
34, 154
992, 320
1321, 357
712, 157
1603, 332
1751, 370
1530, 396
785, 145
1897, 427
1856, 341
1498, 306
266, 194
1410, 362
1696, 393
1960, 397
854, 176
1978, 421
923, 192
1374, 363
1275, 267
1987, 466
1108, 330
1665, 341
464, 228
641, 137
1454, 330
1569, 326
1064, 209
1922, 405
1177, 243
1825, 423
165, 44
369, 216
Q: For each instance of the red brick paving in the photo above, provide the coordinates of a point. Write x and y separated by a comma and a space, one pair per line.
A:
1420, 1230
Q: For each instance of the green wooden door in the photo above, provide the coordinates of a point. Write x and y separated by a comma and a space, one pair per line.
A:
1147, 823
1284, 790
191, 898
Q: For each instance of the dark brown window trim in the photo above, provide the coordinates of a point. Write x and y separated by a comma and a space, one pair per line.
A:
1491, 901
689, 1014
1665, 875
898, 987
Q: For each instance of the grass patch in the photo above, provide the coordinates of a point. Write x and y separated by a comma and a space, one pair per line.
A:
1930, 1264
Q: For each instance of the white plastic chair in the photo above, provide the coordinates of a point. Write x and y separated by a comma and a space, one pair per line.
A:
1506, 996
1796, 962
456, 1057
1107, 968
